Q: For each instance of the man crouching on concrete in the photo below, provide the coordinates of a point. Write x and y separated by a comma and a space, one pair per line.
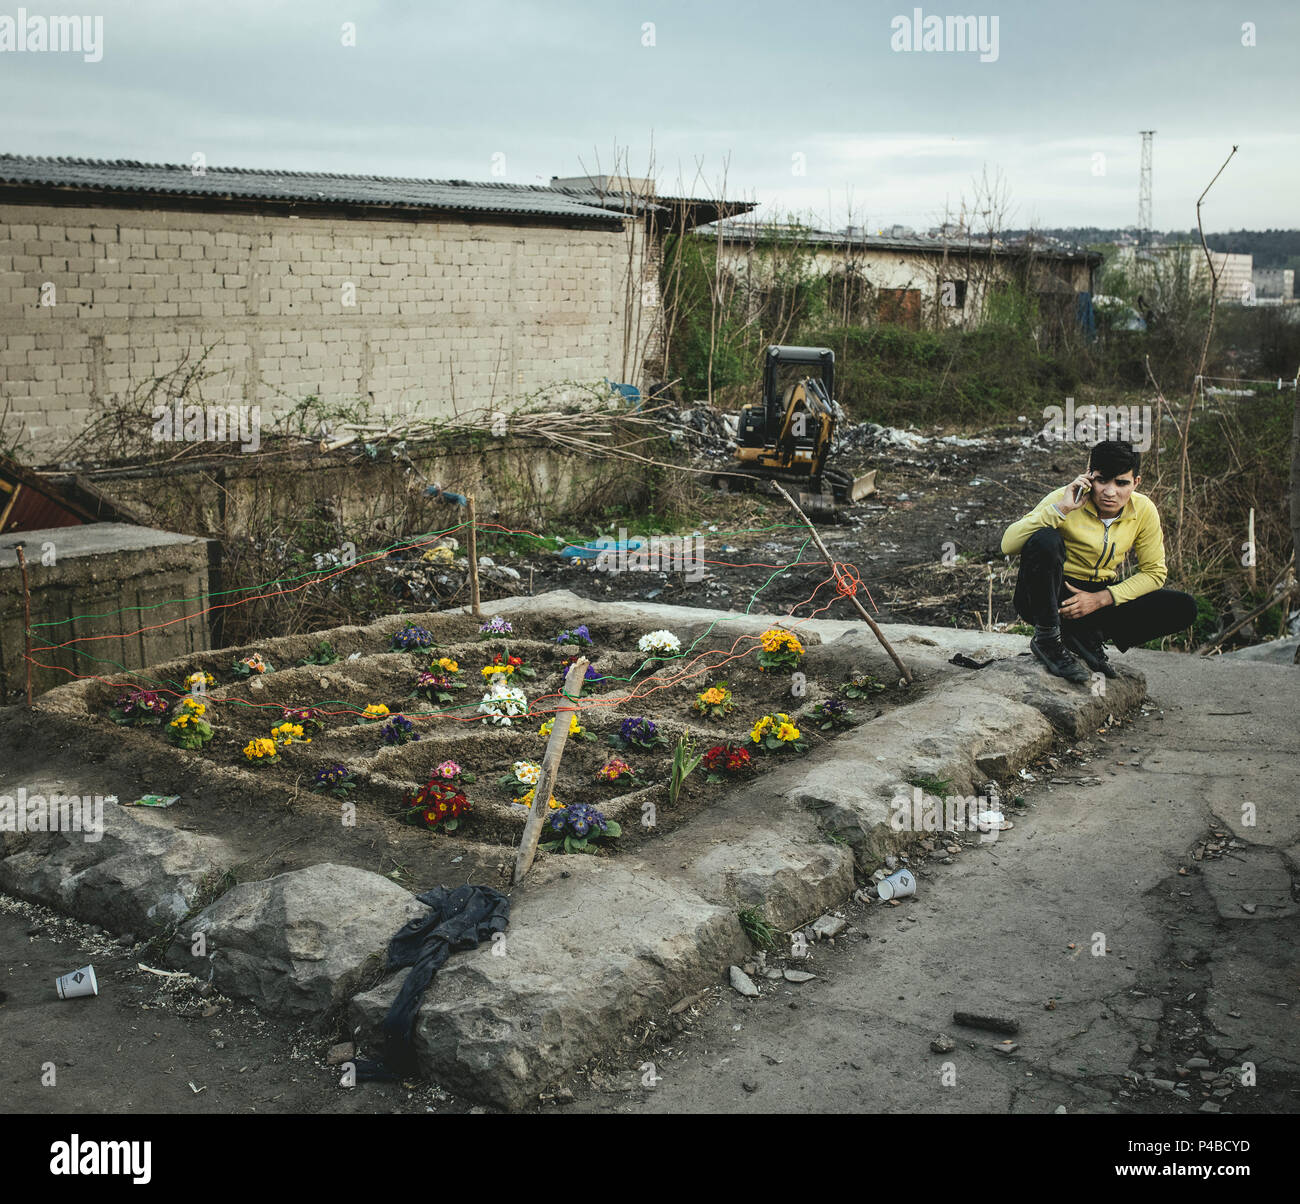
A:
1070, 547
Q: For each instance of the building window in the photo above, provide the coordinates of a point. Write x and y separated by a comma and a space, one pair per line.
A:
952, 294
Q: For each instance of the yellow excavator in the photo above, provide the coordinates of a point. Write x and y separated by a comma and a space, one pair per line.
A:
787, 437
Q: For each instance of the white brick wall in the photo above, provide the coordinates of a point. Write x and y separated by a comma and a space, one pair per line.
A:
485, 311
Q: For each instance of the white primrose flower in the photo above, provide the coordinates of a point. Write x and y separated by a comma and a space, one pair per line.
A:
527, 772
501, 703
662, 642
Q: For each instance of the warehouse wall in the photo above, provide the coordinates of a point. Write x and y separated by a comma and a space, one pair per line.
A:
411, 316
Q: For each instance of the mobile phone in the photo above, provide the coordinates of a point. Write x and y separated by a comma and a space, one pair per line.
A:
1079, 491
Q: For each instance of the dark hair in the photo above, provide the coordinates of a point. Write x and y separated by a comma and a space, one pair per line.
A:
1112, 457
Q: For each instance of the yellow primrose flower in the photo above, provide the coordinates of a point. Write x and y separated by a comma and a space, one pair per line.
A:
787, 731
490, 670
775, 640
377, 710
448, 665
574, 728
527, 800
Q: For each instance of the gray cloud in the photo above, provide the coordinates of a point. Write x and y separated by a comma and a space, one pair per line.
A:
436, 89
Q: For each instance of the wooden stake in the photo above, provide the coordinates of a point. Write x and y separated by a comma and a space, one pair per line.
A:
473, 560
990, 597
1250, 544
550, 769
27, 622
862, 610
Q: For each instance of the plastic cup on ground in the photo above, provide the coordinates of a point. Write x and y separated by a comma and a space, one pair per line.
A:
77, 983
898, 885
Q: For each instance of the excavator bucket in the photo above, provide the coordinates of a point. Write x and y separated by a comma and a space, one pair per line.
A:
863, 486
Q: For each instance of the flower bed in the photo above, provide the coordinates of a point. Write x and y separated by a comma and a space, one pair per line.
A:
368, 715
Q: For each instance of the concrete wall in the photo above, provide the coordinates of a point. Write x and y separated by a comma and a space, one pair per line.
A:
525, 484
447, 310
79, 573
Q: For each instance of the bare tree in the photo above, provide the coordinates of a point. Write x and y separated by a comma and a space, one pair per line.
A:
1200, 367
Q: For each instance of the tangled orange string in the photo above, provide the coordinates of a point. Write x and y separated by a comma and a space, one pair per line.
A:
846, 580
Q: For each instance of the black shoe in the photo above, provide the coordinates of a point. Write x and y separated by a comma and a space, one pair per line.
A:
1092, 652
1059, 661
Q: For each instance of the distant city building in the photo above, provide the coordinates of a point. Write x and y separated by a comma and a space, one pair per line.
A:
1234, 272
1274, 284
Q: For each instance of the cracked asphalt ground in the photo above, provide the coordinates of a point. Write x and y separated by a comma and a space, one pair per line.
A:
1199, 982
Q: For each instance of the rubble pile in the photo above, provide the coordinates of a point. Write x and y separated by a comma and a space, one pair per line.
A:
705, 431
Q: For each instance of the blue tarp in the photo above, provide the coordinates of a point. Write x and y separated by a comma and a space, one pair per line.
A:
1083, 312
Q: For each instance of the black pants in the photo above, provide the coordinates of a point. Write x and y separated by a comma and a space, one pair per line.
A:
1040, 590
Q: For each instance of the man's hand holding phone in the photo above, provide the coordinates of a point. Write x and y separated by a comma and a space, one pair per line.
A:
1076, 493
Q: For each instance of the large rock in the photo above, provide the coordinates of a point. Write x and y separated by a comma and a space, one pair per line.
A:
584, 960
942, 735
142, 876
759, 848
1074, 710
300, 943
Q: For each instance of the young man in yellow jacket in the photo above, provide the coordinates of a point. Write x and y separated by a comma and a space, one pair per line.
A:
1071, 545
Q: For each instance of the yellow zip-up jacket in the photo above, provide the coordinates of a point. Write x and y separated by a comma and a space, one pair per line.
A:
1091, 552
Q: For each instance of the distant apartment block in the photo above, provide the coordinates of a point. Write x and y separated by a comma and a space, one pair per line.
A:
1274, 285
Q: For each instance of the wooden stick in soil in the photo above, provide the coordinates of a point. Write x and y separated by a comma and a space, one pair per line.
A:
1250, 540
550, 769
862, 610
27, 622
473, 560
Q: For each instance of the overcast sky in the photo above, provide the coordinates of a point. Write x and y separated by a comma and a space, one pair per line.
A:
806, 107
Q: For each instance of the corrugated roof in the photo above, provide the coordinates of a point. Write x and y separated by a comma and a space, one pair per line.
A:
954, 245
323, 188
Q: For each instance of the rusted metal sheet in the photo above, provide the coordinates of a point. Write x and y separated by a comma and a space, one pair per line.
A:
30, 502
27, 509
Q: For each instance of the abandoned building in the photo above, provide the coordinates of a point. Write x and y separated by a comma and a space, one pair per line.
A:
909, 280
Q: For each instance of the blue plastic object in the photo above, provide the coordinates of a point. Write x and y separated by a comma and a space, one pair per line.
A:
630, 393
446, 495
592, 549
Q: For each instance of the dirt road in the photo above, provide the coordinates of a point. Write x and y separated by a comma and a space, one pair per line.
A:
1141, 931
